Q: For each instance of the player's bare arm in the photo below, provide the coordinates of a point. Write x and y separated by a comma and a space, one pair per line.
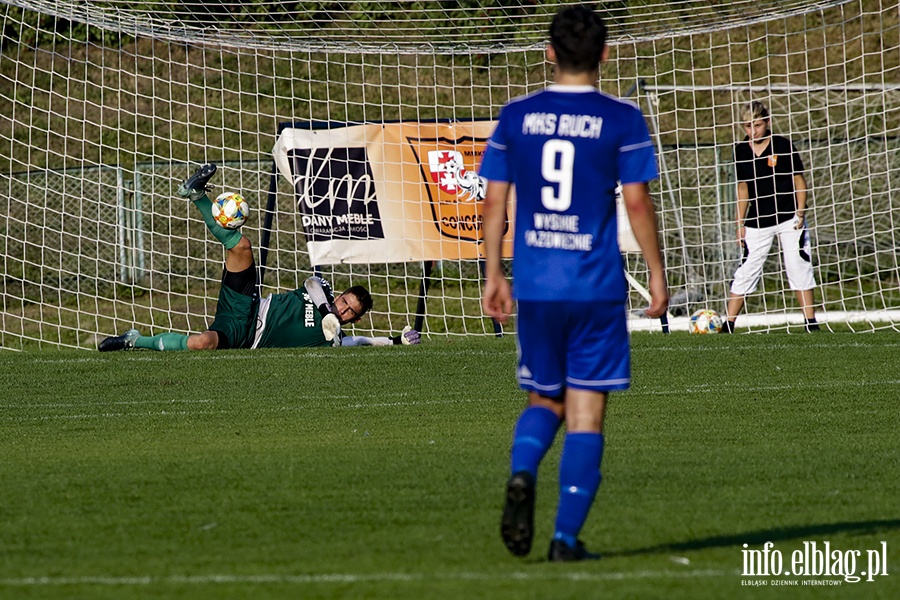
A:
800, 193
497, 298
642, 215
743, 205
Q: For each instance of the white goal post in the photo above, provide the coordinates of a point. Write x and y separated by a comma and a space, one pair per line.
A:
849, 141
106, 106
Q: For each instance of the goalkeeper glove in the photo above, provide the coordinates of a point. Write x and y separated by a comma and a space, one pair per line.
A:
320, 293
409, 337
331, 329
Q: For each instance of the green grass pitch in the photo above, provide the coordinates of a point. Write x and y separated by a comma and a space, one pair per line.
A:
378, 472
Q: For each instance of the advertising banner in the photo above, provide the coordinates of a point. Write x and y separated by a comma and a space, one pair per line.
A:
389, 192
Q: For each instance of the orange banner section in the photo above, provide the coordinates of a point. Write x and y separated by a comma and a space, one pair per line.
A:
392, 192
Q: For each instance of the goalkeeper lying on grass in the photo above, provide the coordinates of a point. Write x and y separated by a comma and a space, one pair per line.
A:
306, 317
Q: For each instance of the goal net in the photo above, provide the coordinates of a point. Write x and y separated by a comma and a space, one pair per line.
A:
106, 106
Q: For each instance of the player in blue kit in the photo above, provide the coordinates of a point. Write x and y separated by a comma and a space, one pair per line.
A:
565, 149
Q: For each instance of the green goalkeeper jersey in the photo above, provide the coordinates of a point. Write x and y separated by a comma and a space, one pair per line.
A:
289, 320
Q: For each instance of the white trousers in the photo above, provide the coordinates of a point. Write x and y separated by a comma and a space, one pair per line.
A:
795, 249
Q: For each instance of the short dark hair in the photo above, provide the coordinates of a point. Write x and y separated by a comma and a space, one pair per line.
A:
578, 36
364, 297
753, 111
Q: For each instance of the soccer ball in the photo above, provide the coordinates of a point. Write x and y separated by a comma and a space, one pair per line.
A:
706, 321
230, 210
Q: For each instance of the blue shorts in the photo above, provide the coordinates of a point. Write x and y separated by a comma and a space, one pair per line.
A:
582, 345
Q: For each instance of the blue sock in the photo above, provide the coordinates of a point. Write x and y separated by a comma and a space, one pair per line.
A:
579, 478
532, 437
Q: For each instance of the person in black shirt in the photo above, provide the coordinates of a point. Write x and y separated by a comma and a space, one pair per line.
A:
771, 201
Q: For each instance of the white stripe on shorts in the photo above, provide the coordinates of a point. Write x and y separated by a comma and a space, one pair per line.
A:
598, 383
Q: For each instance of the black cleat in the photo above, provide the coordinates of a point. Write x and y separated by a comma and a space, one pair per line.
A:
119, 342
562, 552
517, 524
727, 326
195, 186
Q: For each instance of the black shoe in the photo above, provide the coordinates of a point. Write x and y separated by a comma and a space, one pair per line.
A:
119, 342
562, 552
727, 326
812, 325
517, 524
195, 186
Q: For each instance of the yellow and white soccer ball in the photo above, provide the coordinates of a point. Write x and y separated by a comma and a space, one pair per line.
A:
230, 210
705, 321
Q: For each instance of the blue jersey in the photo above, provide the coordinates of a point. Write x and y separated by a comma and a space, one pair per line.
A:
566, 148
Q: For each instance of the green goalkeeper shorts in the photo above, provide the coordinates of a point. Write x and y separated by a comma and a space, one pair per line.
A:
235, 320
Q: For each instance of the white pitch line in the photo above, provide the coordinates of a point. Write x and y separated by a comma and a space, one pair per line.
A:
467, 400
700, 388
113, 403
765, 347
633, 393
163, 413
224, 411
705, 388
336, 353
344, 578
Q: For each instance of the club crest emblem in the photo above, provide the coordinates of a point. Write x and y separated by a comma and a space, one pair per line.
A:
448, 171
455, 189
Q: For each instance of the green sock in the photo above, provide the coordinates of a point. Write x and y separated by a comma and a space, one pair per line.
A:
228, 237
163, 341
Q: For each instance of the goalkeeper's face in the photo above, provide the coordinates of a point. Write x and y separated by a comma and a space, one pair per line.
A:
756, 130
348, 308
